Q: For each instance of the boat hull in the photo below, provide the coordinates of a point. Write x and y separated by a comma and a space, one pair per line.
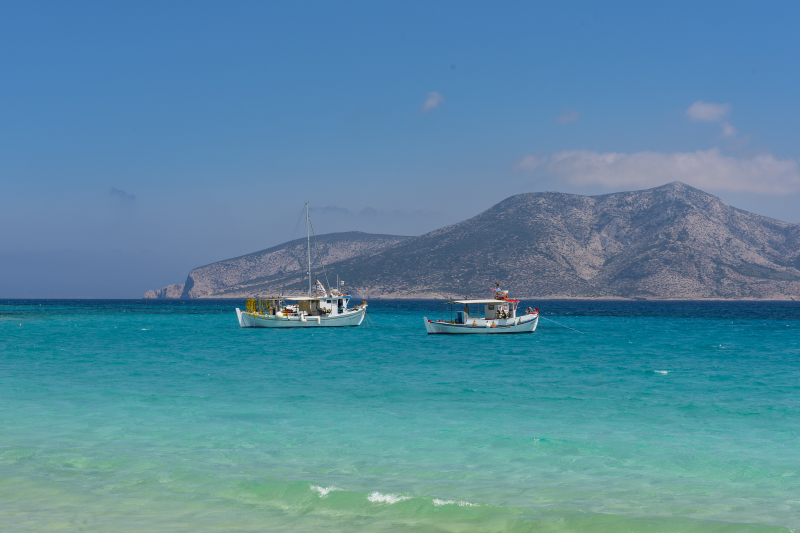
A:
523, 324
254, 320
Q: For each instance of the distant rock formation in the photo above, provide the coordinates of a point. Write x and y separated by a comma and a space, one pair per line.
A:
170, 291
288, 261
672, 241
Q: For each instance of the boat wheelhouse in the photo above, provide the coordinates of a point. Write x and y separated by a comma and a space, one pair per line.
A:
500, 315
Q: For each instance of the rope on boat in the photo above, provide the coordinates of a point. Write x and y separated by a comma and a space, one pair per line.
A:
369, 319
562, 325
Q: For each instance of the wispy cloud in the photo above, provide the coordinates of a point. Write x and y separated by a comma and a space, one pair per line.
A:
728, 130
708, 111
531, 162
705, 169
711, 112
569, 115
433, 101
122, 195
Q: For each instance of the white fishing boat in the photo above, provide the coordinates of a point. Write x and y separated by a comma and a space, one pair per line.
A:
500, 315
320, 308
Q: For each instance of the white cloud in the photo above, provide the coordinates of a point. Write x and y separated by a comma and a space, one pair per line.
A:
708, 111
432, 101
705, 169
531, 162
570, 116
711, 112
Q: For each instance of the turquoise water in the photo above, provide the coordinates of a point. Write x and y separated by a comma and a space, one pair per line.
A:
165, 416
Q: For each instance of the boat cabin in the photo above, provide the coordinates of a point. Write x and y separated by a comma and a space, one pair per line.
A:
491, 309
323, 306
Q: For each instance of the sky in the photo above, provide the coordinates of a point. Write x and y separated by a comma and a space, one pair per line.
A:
140, 140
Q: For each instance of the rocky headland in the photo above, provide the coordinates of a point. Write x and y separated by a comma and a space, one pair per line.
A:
170, 291
670, 242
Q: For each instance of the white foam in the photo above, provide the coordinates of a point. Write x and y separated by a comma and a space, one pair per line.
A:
145, 329
377, 497
662, 371
323, 491
437, 502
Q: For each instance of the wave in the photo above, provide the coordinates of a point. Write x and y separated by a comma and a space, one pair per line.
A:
377, 497
323, 491
437, 502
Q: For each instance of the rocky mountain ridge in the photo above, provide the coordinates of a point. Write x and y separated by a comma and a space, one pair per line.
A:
285, 261
672, 241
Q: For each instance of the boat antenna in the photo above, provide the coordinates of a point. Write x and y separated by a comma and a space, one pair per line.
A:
308, 245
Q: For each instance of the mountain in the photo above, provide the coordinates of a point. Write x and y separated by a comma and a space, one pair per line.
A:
286, 262
672, 241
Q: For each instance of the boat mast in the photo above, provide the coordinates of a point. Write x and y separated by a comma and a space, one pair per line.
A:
308, 243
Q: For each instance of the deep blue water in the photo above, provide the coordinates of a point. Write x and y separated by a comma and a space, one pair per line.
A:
165, 416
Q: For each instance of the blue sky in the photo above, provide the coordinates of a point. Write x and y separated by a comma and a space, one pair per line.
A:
156, 137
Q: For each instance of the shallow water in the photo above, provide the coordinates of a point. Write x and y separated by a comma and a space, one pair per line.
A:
142, 416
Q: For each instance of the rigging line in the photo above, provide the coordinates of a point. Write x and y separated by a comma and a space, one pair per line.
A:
289, 252
319, 256
562, 325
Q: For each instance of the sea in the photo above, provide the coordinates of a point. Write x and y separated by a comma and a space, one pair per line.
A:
614, 416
